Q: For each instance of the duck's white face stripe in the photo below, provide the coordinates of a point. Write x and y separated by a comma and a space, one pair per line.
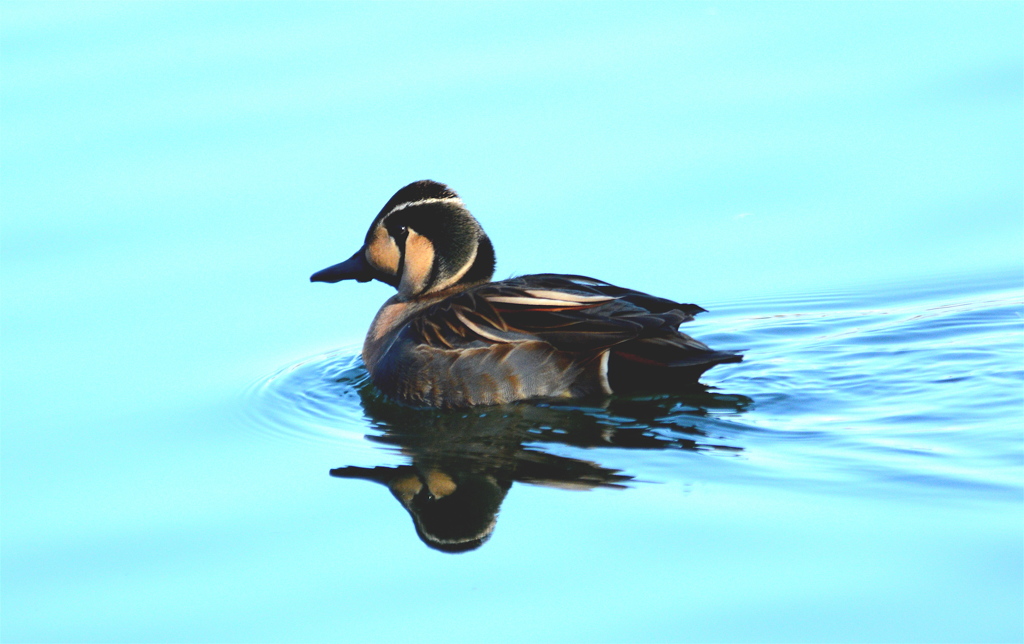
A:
421, 202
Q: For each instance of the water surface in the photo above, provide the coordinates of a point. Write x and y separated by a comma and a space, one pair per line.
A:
838, 183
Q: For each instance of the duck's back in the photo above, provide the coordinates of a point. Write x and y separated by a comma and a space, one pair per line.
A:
541, 336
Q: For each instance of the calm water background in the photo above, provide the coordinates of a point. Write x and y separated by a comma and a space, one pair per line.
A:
840, 184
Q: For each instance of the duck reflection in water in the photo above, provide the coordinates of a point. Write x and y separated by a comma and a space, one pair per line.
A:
463, 463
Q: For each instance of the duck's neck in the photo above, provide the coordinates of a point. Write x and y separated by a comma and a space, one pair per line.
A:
482, 268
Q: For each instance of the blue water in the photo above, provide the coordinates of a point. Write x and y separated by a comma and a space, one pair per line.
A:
839, 184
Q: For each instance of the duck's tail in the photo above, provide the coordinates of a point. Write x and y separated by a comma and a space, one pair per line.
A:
663, 364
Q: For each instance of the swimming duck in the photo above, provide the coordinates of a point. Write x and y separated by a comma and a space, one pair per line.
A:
452, 338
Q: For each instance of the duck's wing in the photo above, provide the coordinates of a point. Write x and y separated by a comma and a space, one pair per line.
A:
571, 313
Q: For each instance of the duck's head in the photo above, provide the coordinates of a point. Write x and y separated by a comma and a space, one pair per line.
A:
424, 240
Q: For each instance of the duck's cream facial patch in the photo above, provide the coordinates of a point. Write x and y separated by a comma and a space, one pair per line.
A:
419, 260
439, 484
382, 252
405, 488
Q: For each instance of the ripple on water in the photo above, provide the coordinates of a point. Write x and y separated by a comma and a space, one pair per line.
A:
920, 385
316, 399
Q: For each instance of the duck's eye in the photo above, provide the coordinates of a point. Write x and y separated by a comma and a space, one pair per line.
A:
399, 231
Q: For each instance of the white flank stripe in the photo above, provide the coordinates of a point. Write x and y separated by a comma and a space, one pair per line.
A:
603, 372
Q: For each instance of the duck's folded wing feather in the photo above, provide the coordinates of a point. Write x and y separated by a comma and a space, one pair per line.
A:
570, 312
590, 286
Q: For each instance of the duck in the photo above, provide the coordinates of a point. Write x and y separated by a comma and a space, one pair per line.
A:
451, 338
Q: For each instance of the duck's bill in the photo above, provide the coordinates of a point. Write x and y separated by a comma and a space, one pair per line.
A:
353, 268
